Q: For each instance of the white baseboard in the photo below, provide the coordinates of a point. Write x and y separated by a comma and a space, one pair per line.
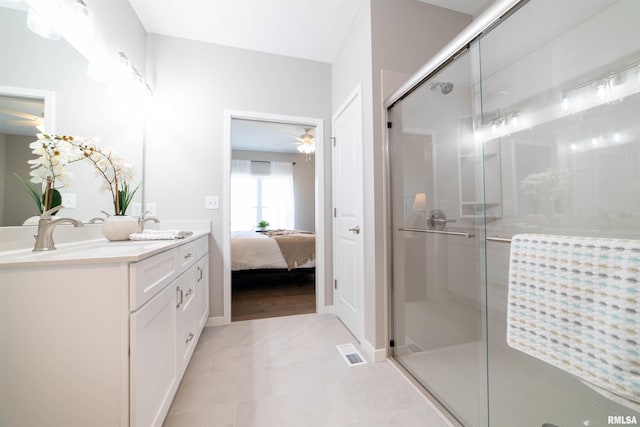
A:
377, 355
328, 309
214, 321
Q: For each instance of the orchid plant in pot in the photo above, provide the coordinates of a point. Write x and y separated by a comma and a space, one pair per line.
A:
116, 174
48, 170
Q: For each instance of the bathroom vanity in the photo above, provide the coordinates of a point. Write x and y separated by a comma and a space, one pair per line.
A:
99, 333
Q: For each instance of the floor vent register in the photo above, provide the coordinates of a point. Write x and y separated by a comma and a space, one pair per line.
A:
351, 355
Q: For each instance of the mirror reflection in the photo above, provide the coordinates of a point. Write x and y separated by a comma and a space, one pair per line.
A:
34, 67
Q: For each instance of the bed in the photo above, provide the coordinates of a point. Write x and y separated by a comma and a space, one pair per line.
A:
274, 250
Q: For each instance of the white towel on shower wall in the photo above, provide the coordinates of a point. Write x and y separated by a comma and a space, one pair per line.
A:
574, 302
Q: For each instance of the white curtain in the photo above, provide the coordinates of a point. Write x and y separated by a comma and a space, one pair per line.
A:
243, 196
262, 197
278, 205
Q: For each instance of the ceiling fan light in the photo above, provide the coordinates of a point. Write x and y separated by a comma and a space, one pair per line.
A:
307, 148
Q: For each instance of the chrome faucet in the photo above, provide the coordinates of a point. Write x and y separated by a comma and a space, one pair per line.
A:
46, 225
142, 220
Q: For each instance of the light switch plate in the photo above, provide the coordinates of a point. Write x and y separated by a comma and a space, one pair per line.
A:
211, 202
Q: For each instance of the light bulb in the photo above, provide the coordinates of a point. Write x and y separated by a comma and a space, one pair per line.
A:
42, 25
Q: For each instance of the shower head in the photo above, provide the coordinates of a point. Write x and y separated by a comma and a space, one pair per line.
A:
445, 87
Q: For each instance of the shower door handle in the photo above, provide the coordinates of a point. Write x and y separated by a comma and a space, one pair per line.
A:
355, 230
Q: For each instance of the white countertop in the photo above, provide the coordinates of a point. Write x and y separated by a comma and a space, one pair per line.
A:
98, 251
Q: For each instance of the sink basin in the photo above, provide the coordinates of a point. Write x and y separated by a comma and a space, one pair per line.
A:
100, 250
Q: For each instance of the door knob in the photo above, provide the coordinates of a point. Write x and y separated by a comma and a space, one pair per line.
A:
437, 220
355, 230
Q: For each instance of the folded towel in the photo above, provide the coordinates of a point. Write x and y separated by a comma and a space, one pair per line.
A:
160, 235
574, 302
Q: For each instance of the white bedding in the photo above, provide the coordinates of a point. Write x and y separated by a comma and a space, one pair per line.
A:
251, 251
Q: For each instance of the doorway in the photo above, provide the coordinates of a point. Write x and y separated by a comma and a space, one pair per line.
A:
256, 162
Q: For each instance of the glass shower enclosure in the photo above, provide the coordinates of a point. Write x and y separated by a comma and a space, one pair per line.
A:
533, 128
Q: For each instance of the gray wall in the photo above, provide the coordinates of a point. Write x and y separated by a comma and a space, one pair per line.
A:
2, 174
17, 199
194, 84
303, 183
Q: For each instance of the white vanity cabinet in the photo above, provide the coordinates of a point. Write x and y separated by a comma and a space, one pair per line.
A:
100, 343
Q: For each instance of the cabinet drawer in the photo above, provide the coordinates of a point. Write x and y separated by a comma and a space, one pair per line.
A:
185, 287
150, 276
202, 246
187, 255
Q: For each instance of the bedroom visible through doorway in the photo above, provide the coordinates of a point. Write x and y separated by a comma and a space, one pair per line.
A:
272, 219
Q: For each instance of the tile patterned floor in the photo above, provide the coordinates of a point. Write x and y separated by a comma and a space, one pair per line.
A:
286, 371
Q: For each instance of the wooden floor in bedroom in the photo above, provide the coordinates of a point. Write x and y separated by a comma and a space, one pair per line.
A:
261, 295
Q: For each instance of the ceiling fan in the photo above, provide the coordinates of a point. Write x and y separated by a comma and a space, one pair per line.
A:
306, 142
26, 119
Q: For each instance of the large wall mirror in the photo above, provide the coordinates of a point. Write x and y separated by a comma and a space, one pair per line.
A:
36, 72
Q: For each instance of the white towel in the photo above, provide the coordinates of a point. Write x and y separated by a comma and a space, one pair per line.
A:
160, 235
574, 302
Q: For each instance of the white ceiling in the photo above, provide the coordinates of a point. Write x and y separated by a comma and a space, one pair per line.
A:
470, 7
308, 29
253, 135
20, 116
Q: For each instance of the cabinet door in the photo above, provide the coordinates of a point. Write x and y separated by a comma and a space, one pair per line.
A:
185, 288
202, 292
185, 343
153, 359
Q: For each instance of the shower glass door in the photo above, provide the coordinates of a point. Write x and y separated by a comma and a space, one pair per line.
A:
438, 215
534, 130
562, 104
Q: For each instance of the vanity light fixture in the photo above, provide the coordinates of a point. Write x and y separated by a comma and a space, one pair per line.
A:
132, 74
54, 19
600, 141
117, 70
44, 26
78, 27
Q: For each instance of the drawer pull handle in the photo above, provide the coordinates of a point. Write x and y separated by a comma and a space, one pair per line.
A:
188, 294
181, 292
189, 255
189, 338
199, 273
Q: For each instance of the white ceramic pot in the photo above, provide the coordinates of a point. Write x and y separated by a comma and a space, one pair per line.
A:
118, 227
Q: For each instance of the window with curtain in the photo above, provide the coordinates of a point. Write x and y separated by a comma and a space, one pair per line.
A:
257, 197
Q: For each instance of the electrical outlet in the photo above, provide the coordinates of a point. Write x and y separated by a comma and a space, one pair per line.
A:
211, 202
68, 200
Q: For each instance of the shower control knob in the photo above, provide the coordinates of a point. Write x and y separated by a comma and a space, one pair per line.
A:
437, 220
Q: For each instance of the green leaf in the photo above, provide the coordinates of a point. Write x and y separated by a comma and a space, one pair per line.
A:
125, 196
56, 200
33, 191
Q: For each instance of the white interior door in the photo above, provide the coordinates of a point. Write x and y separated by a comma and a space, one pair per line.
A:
348, 248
